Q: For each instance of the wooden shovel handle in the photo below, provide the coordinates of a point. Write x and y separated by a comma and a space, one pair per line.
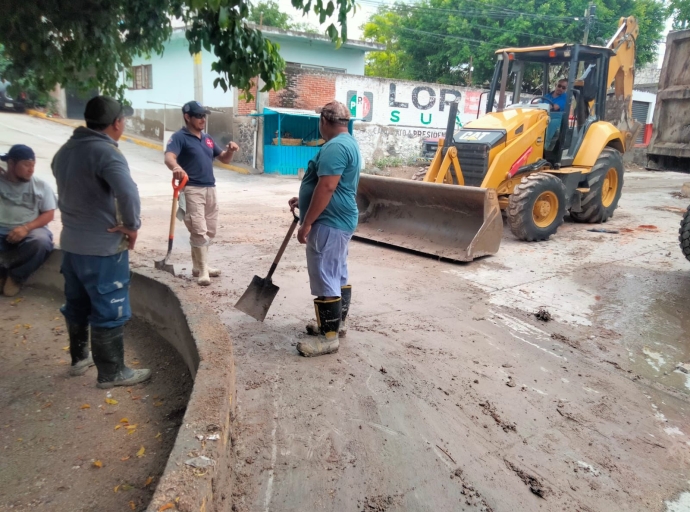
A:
283, 246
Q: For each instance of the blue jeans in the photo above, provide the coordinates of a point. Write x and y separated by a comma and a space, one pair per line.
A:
327, 250
20, 260
96, 289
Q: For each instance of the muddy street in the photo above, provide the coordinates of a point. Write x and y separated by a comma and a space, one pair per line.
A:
448, 392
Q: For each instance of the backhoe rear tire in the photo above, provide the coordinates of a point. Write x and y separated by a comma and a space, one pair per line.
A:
537, 207
684, 234
605, 184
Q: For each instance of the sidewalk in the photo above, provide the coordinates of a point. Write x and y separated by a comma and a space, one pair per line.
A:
143, 141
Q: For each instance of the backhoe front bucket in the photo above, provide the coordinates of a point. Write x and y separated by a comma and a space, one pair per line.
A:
450, 221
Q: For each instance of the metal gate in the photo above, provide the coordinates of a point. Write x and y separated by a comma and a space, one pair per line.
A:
76, 102
640, 110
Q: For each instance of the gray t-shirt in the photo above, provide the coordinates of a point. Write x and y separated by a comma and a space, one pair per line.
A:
23, 201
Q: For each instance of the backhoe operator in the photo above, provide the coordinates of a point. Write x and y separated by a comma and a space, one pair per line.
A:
557, 97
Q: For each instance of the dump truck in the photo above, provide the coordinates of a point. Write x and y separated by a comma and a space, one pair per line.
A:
669, 148
529, 160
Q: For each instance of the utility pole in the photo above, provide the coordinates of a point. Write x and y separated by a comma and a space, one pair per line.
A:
470, 79
589, 15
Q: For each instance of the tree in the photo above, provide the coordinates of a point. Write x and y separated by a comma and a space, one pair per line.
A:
268, 14
382, 28
303, 26
435, 40
88, 43
680, 11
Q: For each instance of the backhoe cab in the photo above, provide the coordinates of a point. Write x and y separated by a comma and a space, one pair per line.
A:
535, 162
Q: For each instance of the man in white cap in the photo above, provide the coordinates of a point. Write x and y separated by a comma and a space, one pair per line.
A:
328, 216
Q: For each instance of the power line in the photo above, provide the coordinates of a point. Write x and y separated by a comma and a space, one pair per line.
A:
498, 13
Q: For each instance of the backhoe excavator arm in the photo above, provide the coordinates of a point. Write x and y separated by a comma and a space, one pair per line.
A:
621, 75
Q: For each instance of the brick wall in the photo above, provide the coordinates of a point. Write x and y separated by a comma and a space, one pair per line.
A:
304, 89
245, 107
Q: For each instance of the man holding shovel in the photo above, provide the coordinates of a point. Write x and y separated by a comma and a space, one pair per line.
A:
329, 215
190, 152
100, 207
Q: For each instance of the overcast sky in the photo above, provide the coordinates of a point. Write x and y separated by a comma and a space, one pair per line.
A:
353, 25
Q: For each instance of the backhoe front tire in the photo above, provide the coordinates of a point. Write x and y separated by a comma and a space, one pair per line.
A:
537, 207
684, 234
605, 184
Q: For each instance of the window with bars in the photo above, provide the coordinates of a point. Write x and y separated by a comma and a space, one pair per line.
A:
140, 77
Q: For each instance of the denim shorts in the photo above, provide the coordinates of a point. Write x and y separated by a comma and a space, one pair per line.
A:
327, 260
96, 289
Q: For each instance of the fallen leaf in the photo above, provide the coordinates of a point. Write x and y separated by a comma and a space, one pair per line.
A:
97, 464
27, 326
130, 432
16, 301
66, 349
124, 420
126, 487
131, 427
157, 404
141, 452
157, 435
132, 505
118, 427
117, 487
148, 481
136, 397
46, 405
126, 458
85, 406
167, 506
56, 318
111, 401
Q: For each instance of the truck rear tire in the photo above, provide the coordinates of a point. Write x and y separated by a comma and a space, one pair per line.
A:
605, 186
684, 234
537, 207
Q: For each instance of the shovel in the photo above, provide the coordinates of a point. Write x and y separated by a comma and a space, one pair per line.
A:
163, 264
261, 292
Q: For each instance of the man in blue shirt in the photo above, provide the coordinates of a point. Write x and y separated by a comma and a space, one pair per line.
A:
558, 97
329, 215
190, 152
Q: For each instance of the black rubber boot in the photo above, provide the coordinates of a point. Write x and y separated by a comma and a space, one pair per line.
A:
328, 317
79, 349
345, 297
108, 349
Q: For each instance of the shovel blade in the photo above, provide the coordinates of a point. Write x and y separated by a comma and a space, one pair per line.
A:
258, 297
164, 266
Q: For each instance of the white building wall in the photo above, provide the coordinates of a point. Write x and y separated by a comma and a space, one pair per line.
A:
351, 60
173, 77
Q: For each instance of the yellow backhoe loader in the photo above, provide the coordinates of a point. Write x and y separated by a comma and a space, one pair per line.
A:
528, 159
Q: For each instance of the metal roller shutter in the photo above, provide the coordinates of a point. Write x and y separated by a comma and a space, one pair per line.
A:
640, 109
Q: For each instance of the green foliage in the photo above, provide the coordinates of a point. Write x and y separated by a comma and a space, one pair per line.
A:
394, 161
268, 14
87, 44
381, 28
434, 40
680, 10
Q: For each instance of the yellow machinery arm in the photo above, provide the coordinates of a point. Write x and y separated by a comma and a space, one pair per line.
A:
621, 75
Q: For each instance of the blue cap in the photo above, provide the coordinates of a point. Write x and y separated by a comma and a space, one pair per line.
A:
19, 152
194, 108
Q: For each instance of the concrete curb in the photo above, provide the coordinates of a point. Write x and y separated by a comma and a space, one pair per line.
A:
202, 341
136, 140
